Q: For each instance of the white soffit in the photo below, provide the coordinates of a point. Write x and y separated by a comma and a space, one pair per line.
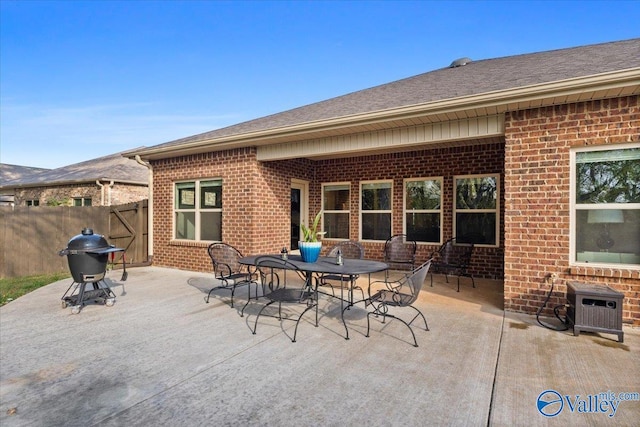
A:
390, 139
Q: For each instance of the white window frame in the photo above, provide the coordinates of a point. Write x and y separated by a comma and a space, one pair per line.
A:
326, 211
574, 207
83, 201
406, 211
495, 210
389, 211
198, 210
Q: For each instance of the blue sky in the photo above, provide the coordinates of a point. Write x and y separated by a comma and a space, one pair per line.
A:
83, 79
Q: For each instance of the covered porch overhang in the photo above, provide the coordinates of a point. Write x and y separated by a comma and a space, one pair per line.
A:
462, 132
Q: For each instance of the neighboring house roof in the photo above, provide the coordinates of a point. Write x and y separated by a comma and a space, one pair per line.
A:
479, 88
11, 172
113, 167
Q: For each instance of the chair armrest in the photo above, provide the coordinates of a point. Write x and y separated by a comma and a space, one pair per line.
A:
392, 285
379, 284
223, 270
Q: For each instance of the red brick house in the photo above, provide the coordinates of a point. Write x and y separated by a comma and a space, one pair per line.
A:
534, 157
105, 181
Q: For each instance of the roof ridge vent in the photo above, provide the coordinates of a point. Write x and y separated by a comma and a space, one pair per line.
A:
460, 62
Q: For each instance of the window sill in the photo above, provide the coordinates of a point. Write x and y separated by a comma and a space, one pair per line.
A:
606, 270
189, 243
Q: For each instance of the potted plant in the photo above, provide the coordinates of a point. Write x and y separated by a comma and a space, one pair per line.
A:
310, 246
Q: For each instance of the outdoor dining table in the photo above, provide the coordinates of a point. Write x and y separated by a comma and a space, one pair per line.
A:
327, 265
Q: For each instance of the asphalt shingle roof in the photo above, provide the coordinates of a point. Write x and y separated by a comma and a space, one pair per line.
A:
11, 172
111, 167
477, 77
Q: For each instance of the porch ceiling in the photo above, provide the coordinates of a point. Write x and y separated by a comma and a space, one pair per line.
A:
450, 133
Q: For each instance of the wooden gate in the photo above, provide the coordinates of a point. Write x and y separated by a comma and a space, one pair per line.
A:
128, 229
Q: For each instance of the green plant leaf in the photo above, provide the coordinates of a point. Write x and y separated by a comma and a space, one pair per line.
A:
310, 234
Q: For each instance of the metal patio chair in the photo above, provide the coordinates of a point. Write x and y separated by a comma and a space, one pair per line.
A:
398, 251
348, 250
453, 259
284, 283
227, 269
398, 294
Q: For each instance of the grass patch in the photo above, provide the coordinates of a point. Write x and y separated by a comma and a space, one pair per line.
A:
15, 287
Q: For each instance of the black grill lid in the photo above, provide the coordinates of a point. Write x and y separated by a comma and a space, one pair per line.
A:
88, 242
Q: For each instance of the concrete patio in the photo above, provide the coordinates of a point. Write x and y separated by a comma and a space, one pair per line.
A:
161, 356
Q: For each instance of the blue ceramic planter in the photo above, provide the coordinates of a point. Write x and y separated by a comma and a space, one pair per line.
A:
310, 251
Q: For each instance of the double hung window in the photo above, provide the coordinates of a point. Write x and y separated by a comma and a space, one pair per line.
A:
336, 208
198, 210
375, 210
82, 201
606, 205
423, 209
476, 209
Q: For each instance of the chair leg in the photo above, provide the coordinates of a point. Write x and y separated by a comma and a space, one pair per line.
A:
415, 342
382, 310
249, 296
345, 323
426, 326
348, 307
384, 316
243, 307
295, 331
225, 285
208, 295
361, 291
255, 327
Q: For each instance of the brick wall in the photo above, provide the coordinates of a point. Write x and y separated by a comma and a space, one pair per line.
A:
441, 162
120, 194
256, 197
537, 201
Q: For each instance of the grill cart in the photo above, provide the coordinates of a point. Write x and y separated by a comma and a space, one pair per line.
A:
88, 254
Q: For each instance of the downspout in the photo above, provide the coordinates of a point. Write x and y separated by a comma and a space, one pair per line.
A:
101, 192
109, 196
150, 207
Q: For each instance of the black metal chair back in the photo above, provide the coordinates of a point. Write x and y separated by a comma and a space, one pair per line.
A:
283, 282
349, 249
399, 250
453, 258
277, 273
225, 260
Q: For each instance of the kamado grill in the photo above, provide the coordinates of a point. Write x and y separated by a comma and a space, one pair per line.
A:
88, 255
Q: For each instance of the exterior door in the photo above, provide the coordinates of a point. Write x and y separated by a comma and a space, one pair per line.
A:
299, 191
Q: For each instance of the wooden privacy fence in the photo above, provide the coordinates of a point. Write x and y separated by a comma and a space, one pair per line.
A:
31, 237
